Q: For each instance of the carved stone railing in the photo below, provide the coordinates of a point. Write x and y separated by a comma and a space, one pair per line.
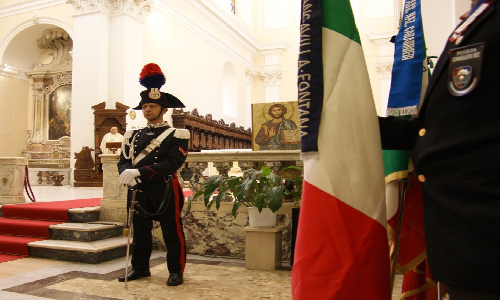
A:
208, 232
208, 134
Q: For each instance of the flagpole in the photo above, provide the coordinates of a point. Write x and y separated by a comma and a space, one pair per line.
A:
394, 260
439, 290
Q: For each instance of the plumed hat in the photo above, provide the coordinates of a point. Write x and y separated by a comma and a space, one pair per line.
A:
153, 79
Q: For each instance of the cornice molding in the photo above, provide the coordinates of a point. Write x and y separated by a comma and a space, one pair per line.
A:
170, 11
137, 9
385, 69
27, 6
271, 77
227, 22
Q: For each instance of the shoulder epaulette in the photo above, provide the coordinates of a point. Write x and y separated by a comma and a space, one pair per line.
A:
182, 134
128, 134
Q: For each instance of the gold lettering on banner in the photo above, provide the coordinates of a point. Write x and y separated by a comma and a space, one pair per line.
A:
409, 31
304, 79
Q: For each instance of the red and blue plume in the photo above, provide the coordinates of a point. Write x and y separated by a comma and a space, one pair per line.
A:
152, 76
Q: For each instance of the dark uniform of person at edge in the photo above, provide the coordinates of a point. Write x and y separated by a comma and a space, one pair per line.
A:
456, 153
148, 162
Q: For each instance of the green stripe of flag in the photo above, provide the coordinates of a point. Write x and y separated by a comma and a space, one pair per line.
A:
338, 16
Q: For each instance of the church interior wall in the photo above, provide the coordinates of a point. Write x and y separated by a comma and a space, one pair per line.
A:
193, 67
14, 100
18, 36
192, 47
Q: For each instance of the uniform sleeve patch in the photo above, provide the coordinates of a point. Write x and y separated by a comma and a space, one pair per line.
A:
182, 134
183, 151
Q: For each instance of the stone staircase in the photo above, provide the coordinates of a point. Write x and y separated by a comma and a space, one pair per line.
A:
85, 239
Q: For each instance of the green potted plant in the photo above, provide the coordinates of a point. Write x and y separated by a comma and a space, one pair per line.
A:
259, 190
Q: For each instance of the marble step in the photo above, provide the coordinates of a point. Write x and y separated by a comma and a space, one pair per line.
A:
84, 214
86, 232
75, 251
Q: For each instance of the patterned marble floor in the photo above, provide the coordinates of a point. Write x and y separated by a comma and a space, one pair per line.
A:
205, 277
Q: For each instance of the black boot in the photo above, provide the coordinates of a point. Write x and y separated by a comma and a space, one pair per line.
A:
175, 279
133, 275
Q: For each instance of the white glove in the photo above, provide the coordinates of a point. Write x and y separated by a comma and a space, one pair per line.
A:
128, 176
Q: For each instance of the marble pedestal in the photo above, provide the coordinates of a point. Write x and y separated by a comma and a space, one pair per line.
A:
114, 201
12, 174
263, 248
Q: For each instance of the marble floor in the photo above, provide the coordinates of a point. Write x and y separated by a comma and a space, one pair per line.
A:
65, 192
205, 277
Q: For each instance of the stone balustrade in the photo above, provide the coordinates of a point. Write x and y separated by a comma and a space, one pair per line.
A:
208, 232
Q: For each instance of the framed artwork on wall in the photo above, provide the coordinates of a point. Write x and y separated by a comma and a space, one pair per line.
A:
59, 112
275, 126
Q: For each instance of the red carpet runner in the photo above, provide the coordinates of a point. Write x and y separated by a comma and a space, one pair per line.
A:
25, 223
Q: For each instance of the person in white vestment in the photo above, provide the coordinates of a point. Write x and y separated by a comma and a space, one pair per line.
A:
112, 136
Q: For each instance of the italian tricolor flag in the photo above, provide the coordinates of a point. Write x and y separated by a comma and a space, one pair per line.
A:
341, 250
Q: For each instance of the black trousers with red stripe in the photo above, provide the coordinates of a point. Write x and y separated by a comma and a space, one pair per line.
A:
149, 197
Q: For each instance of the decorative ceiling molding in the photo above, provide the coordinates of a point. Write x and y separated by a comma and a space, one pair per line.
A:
60, 45
33, 20
170, 11
20, 7
233, 25
251, 75
271, 77
137, 9
385, 69
8, 70
227, 22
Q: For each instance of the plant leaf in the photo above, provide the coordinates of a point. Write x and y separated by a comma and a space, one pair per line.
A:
233, 182
198, 194
274, 180
265, 171
260, 202
274, 197
212, 184
219, 198
236, 205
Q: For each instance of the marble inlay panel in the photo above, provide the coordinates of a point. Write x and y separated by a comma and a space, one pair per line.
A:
199, 283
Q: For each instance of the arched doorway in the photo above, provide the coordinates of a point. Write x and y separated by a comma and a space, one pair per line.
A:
37, 93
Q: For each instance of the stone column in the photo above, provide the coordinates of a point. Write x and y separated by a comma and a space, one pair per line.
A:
114, 200
12, 173
107, 56
271, 73
250, 75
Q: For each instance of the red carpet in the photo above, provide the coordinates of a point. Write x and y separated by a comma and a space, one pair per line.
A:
5, 257
53, 211
25, 223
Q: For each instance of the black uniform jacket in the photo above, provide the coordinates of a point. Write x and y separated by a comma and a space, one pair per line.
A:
164, 160
456, 147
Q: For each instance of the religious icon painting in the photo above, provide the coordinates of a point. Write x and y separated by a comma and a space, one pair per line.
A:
275, 126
